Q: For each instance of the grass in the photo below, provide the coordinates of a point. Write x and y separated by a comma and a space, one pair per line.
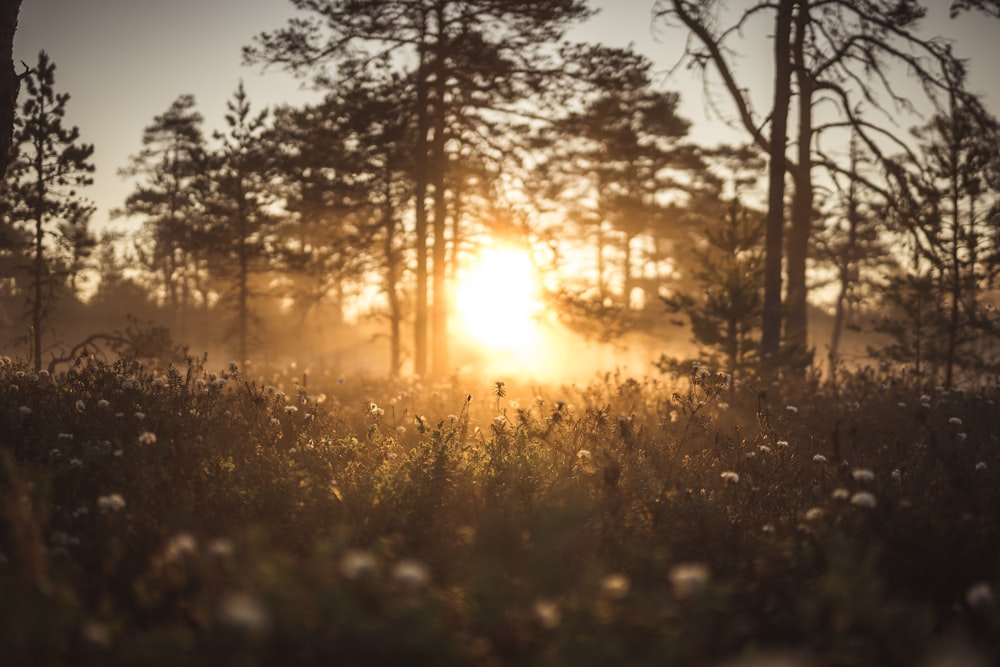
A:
190, 518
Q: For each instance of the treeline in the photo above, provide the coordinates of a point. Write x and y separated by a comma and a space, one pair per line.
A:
448, 124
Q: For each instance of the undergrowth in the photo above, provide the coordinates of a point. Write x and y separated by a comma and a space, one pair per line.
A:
183, 517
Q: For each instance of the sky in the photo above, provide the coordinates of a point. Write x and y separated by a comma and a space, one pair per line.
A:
125, 61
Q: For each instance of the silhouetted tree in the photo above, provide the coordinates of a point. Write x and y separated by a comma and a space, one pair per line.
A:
619, 160
49, 165
240, 225
949, 226
170, 179
840, 53
467, 57
9, 81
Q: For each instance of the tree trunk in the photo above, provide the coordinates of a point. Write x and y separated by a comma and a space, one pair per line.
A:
770, 343
797, 309
9, 82
420, 214
439, 158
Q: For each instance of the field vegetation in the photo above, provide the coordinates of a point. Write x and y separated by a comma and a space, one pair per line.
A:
272, 518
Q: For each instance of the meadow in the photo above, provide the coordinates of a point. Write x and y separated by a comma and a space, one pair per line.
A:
180, 516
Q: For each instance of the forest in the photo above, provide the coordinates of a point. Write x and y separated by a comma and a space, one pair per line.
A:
483, 359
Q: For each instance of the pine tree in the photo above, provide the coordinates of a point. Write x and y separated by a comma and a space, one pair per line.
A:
42, 199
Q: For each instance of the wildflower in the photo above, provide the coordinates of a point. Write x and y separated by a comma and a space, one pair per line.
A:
498, 422
111, 503
147, 438
180, 545
139, 415
792, 409
24, 410
65, 436
200, 383
955, 421
689, 579
979, 595
411, 574
244, 612
819, 458
96, 634
290, 409
401, 430
548, 614
75, 463
373, 408
80, 405
583, 455
863, 475
768, 528
158, 383
960, 437
128, 384
103, 404
840, 494
981, 466
765, 449
217, 383
452, 419
896, 474
730, 477
221, 547
863, 499
356, 563
901, 404
814, 513
782, 443
615, 585
55, 453
925, 401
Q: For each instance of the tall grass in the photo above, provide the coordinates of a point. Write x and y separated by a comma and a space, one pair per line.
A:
192, 518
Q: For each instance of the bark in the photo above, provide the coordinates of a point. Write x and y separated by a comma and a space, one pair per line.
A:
770, 343
420, 196
439, 158
797, 307
9, 81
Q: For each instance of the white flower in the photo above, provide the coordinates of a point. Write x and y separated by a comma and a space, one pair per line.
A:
103, 404
221, 547
981, 466
814, 513
819, 458
80, 405
782, 443
840, 494
792, 409
111, 503
24, 410
65, 436
76, 463
290, 409
583, 455
158, 383
955, 421
411, 574
218, 383
979, 595
548, 614
180, 545
147, 438
356, 563
863, 499
244, 612
863, 475
896, 474
765, 449
730, 476
140, 415
615, 585
689, 579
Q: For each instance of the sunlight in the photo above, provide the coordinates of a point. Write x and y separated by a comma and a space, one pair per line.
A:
497, 300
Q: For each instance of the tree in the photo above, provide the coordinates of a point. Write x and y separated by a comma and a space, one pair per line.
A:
169, 195
466, 57
619, 162
49, 164
948, 225
9, 81
841, 53
240, 227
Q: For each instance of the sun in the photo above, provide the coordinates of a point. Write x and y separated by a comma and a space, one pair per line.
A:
496, 299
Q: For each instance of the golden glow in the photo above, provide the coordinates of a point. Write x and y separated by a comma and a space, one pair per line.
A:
497, 300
